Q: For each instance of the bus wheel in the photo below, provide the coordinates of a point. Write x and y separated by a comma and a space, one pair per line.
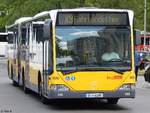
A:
14, 82
12, 76
112, 100
8, 69
25, 89
18, 79
42, 98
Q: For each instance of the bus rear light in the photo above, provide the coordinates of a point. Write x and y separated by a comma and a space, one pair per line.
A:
59, 88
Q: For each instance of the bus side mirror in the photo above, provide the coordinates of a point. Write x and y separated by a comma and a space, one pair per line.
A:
47, 29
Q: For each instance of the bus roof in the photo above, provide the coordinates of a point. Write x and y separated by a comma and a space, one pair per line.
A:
82, 9
22, 19
19, 21
86, 9
142, 32
53, 13
44, 13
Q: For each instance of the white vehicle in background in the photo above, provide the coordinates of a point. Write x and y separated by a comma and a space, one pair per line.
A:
3, 45
3, 49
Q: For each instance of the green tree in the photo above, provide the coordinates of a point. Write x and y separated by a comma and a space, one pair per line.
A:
19, 8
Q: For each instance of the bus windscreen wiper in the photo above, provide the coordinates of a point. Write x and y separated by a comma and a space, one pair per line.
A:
115, 70
68, 70
77, 69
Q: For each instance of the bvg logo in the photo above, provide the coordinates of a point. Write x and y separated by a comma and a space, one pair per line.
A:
70, 78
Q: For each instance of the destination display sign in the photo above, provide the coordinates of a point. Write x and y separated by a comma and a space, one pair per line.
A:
92, 18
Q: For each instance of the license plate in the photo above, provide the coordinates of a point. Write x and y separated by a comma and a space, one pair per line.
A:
94, 95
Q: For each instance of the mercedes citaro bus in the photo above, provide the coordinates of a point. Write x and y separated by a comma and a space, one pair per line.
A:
82, 53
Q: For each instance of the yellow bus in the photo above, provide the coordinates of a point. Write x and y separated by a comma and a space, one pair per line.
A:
82, 53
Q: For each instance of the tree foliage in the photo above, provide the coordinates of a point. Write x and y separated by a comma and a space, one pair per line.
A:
15, 9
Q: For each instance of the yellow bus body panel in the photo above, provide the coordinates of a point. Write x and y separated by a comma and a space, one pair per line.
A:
33, 73
10, 60
93, 81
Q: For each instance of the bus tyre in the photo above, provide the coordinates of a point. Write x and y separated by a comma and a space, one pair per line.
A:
18, 79
12, 76
112, 100
14, 83
42, 98
25, 89
8, 69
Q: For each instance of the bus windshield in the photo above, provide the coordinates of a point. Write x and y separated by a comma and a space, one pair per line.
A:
93, 48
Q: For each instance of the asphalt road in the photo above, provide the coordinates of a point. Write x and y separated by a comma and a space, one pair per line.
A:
13, 100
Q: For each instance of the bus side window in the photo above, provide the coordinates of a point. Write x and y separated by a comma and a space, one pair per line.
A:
23, 36
38, 31
142, 40
50, 59
15, 39
147, 41
27, 34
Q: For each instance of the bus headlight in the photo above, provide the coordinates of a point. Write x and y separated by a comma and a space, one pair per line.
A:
127, 87
59, 88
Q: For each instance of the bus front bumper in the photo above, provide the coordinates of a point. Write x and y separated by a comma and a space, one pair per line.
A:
82, 95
